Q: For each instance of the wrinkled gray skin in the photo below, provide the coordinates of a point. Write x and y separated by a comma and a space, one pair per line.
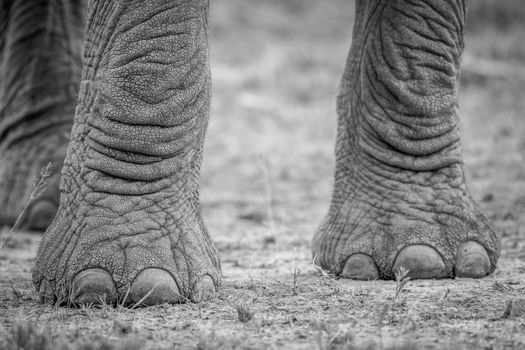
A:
128, 224
40, 65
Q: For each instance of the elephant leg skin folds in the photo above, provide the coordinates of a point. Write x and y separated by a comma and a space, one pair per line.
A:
400, 199
129, 227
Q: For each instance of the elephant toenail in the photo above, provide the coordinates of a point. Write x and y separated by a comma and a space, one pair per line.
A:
421, 261
41, 214
154, 286
360, 267
93, 286
204, 289
472, 261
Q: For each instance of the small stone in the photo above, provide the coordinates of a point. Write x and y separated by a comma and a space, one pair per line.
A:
268, 240
488, 197
122, 327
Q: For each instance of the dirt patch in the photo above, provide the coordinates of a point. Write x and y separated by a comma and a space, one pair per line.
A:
266, 184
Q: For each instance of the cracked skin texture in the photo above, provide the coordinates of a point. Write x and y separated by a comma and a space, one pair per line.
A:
400, 198
129, 223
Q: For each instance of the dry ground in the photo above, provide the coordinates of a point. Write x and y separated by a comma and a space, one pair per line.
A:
266, 184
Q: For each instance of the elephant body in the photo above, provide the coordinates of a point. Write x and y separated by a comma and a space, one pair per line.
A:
128, 217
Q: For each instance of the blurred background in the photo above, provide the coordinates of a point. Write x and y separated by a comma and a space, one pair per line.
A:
276, 65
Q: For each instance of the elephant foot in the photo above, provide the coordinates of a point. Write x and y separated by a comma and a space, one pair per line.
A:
128, 228
423, 262
431, 231
132, 250
151, 286
22, 166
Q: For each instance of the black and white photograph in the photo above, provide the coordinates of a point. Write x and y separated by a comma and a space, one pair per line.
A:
262, 174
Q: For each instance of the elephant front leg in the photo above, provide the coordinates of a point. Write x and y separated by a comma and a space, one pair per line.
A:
400, 198
129, 222
40, 62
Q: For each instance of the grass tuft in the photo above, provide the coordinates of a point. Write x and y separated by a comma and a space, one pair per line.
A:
26, 335
244, 311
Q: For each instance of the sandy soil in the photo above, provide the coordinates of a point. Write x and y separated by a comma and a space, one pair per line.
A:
266, 184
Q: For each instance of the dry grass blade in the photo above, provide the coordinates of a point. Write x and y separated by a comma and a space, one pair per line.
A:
148, 294
123, 303
15, 291
39, 186
501, 287
402, 279
264, 164
144, 297
515, 308
319, 269
296, 273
